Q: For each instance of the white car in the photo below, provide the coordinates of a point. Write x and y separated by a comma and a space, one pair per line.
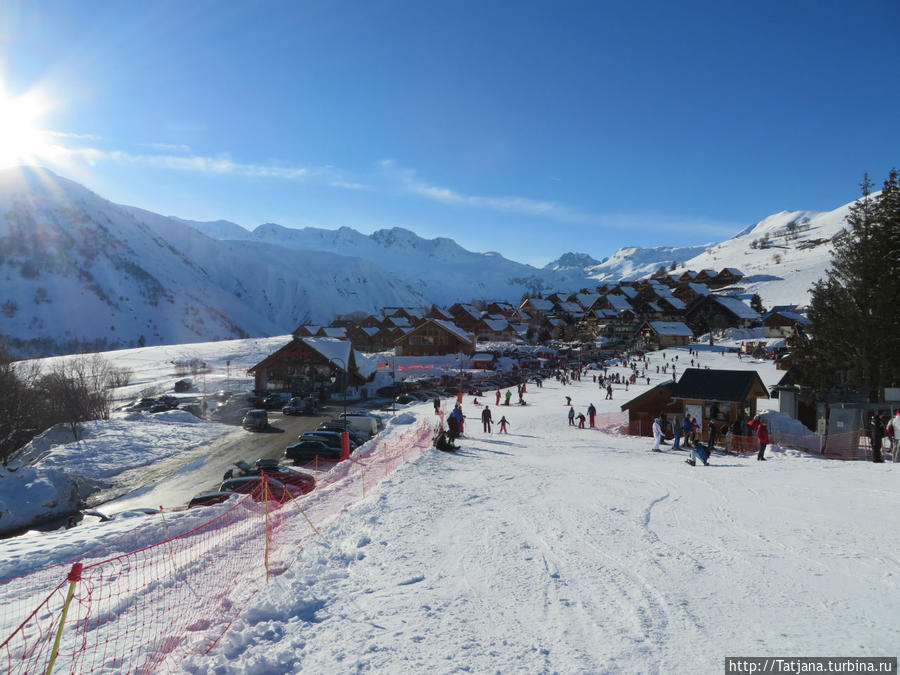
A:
363, 422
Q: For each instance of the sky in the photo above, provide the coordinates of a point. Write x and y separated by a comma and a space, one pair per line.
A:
527, 128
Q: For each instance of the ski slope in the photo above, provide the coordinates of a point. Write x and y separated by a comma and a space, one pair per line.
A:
557, 549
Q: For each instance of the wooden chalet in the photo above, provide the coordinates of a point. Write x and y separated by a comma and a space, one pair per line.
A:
728, 276
308, 364
434, 337
466, 317
306, 330
504, 308
783, 324
662, 334
715, 312
536, 307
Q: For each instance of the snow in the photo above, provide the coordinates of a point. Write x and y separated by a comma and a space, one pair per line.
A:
557, 549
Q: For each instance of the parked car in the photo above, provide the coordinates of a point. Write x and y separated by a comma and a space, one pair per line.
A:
271, 467
308, 449
300, 406
275, 401
209, 498
339, 426
255, 420
182, 386
140, 404
332, 438
404, 399
364, 422
254, 486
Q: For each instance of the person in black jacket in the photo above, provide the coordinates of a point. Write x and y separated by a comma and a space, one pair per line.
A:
486, 419
876, 427
452, 428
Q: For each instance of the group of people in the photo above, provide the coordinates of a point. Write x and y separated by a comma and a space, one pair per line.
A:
879, 429
689, 429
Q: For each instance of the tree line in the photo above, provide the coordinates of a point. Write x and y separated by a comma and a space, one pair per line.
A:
33, 399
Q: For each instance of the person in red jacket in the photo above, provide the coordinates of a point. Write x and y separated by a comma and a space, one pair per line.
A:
762, 435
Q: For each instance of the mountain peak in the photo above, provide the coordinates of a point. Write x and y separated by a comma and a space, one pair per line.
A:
572, 260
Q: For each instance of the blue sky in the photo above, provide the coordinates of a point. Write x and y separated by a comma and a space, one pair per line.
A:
527, 128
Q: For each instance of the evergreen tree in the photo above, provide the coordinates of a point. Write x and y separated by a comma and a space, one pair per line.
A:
756, 304
854, 334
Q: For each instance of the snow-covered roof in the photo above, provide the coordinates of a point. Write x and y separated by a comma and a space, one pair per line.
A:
733, 270
604, 313
541, 304
793, 316
570, 307
709, 273
496, 325
456, 330
587, 299
654, 307
483, 357
364, 365
371, 331
336, 351
700, 289
335, 331
671, 328
628, 292
738, 308
525, 316
619, 302
675, 302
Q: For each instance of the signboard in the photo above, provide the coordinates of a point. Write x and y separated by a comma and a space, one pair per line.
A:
821, 426
892, 393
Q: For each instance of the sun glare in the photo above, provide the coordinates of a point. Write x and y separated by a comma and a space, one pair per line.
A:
21, 141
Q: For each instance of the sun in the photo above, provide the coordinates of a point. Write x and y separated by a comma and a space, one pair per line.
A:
21, 139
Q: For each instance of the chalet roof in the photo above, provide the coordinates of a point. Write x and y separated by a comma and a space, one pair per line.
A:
525, 316
718, 385
335, 331
443, 313
628, 291
738, 308
733, 270
570, 307
671, 328
791, 316
455, 330
371, 331
587, 299
665, 389
654, 307
541, 304
700, 289
496, 325
709, 273
676, 303
364, 365
619, 302
604, 313
416, 312
556, 322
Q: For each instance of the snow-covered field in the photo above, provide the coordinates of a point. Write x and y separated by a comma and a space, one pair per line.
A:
556, 549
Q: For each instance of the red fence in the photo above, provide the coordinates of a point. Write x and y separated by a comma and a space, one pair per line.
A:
134, 606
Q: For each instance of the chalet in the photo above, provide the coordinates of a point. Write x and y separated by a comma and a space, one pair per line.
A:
688, 276
305, 365
439, 313
372, 321
306, 331
495, 330
483, 361
369, 338
671, 305
465, 316
536, 307
570, 309
338, 332
706, 276
714, 312
434, 338
783, 324
558, 297
728, 276
504, 308
690, 292
396, 321
586, 300
722, 396
662, 334
615, 302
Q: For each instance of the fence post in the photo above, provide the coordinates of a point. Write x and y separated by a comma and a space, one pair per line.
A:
168, 538
266, 500
73, 578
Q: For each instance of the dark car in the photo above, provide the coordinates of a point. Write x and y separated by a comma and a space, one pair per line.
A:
340, 426
301, 406
259, 487
403, 399
307, 450
284, 474
332, 438
209, 498
275, 401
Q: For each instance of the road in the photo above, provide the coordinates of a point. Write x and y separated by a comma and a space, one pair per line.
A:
174, 480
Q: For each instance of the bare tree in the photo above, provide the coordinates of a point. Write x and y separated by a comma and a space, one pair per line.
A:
77, 390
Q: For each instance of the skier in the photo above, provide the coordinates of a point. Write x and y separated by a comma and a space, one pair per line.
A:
609, 392
508, 396
581, 420
762, 435
498, 398
452, 427
568, 400
571, 416
592, 414
503, 423
657, 435
486, 419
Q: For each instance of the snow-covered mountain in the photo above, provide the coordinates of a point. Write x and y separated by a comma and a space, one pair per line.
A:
81, 272
781, 256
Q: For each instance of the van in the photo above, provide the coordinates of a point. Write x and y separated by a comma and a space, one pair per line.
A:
255, 420
364, 424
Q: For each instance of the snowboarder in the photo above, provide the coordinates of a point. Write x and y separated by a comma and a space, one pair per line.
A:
592, 414
571, 416
568, 400
443, 443
698, 451
486, 419
508, 396
503, 423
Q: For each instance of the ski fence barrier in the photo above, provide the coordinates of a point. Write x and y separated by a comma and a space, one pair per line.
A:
171, 586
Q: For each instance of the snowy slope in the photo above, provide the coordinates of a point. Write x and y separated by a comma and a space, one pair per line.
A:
79, 269
781, 256
554, 549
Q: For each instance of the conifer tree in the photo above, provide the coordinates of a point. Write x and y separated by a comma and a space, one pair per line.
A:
854, 334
